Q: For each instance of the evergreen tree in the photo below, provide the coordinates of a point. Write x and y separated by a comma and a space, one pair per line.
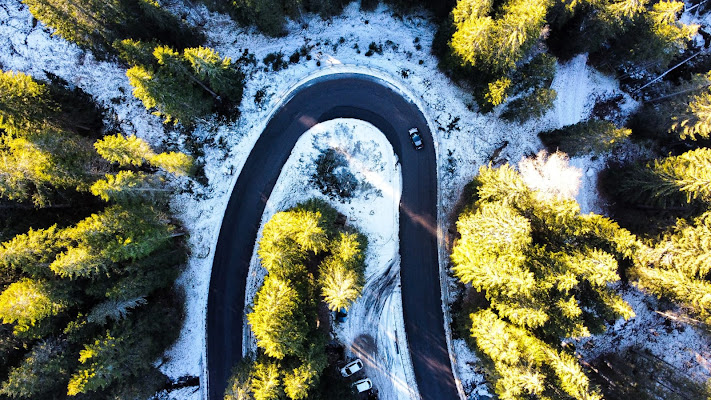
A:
127, 186
220, 74
26, 302
545, 271
277, 320
43, 372
30, 169
116, 234
32, 252
671, 181
126, 151
98, 24
696, 119
678, 266
591, 136
266, 380
173, 162
26, 106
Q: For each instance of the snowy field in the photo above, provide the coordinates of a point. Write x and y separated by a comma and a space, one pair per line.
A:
464, 140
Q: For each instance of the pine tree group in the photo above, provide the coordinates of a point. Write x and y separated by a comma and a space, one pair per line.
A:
284, 317
546, 272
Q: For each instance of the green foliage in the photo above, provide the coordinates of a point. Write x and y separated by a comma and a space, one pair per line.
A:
26, 106
266, 380
545, 271
184, 87
341, 275
32, 168
277, 320
126, 187
671, 181
125, 151
97, 24
117, 234
678, 266
32, 252
44, 371
27, 302
533, 105
591, 136
696, 119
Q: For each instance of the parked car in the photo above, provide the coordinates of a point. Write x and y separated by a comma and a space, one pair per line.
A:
352, 367
363, 385
416, 138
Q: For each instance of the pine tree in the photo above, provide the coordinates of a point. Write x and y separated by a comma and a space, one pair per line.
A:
591, 136
114, 235
545, 271
44, 371
127, 187
126, 151
220, 74
170, 94
340, 286
31, 169
26, 106
671, 181
33, 251
27, 302
266, 381
695, 120
173, 162
277, 320
678, 266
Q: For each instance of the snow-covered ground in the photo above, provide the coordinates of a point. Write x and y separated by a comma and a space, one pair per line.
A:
464, 140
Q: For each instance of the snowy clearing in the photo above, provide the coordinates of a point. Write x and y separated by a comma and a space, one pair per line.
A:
375, 321
465, 140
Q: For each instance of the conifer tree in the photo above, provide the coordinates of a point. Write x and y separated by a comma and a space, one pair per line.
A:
31, 169
126, 151
114, 235
98, 24
175, 163
678, 266
545, 271
43, 372
127, 186
220, 74
277, 320
671, 181
266, 381
591, 136
26, 106
33, 251
695, 120
27, 302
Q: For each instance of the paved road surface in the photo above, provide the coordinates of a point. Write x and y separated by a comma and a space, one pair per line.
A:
337, 96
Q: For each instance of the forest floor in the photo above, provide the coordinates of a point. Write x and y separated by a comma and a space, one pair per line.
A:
464, 140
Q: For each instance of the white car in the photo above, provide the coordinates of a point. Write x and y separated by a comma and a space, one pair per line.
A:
363, 385
352, 367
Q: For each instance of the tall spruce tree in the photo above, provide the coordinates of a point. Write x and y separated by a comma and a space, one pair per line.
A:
26, 106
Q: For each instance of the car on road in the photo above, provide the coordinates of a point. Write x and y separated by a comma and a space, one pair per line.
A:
416, 138
363, 385
352, 367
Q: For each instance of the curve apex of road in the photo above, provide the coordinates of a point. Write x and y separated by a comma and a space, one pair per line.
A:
341, 95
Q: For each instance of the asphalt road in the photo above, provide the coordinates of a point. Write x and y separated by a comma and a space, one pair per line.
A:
337, 96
